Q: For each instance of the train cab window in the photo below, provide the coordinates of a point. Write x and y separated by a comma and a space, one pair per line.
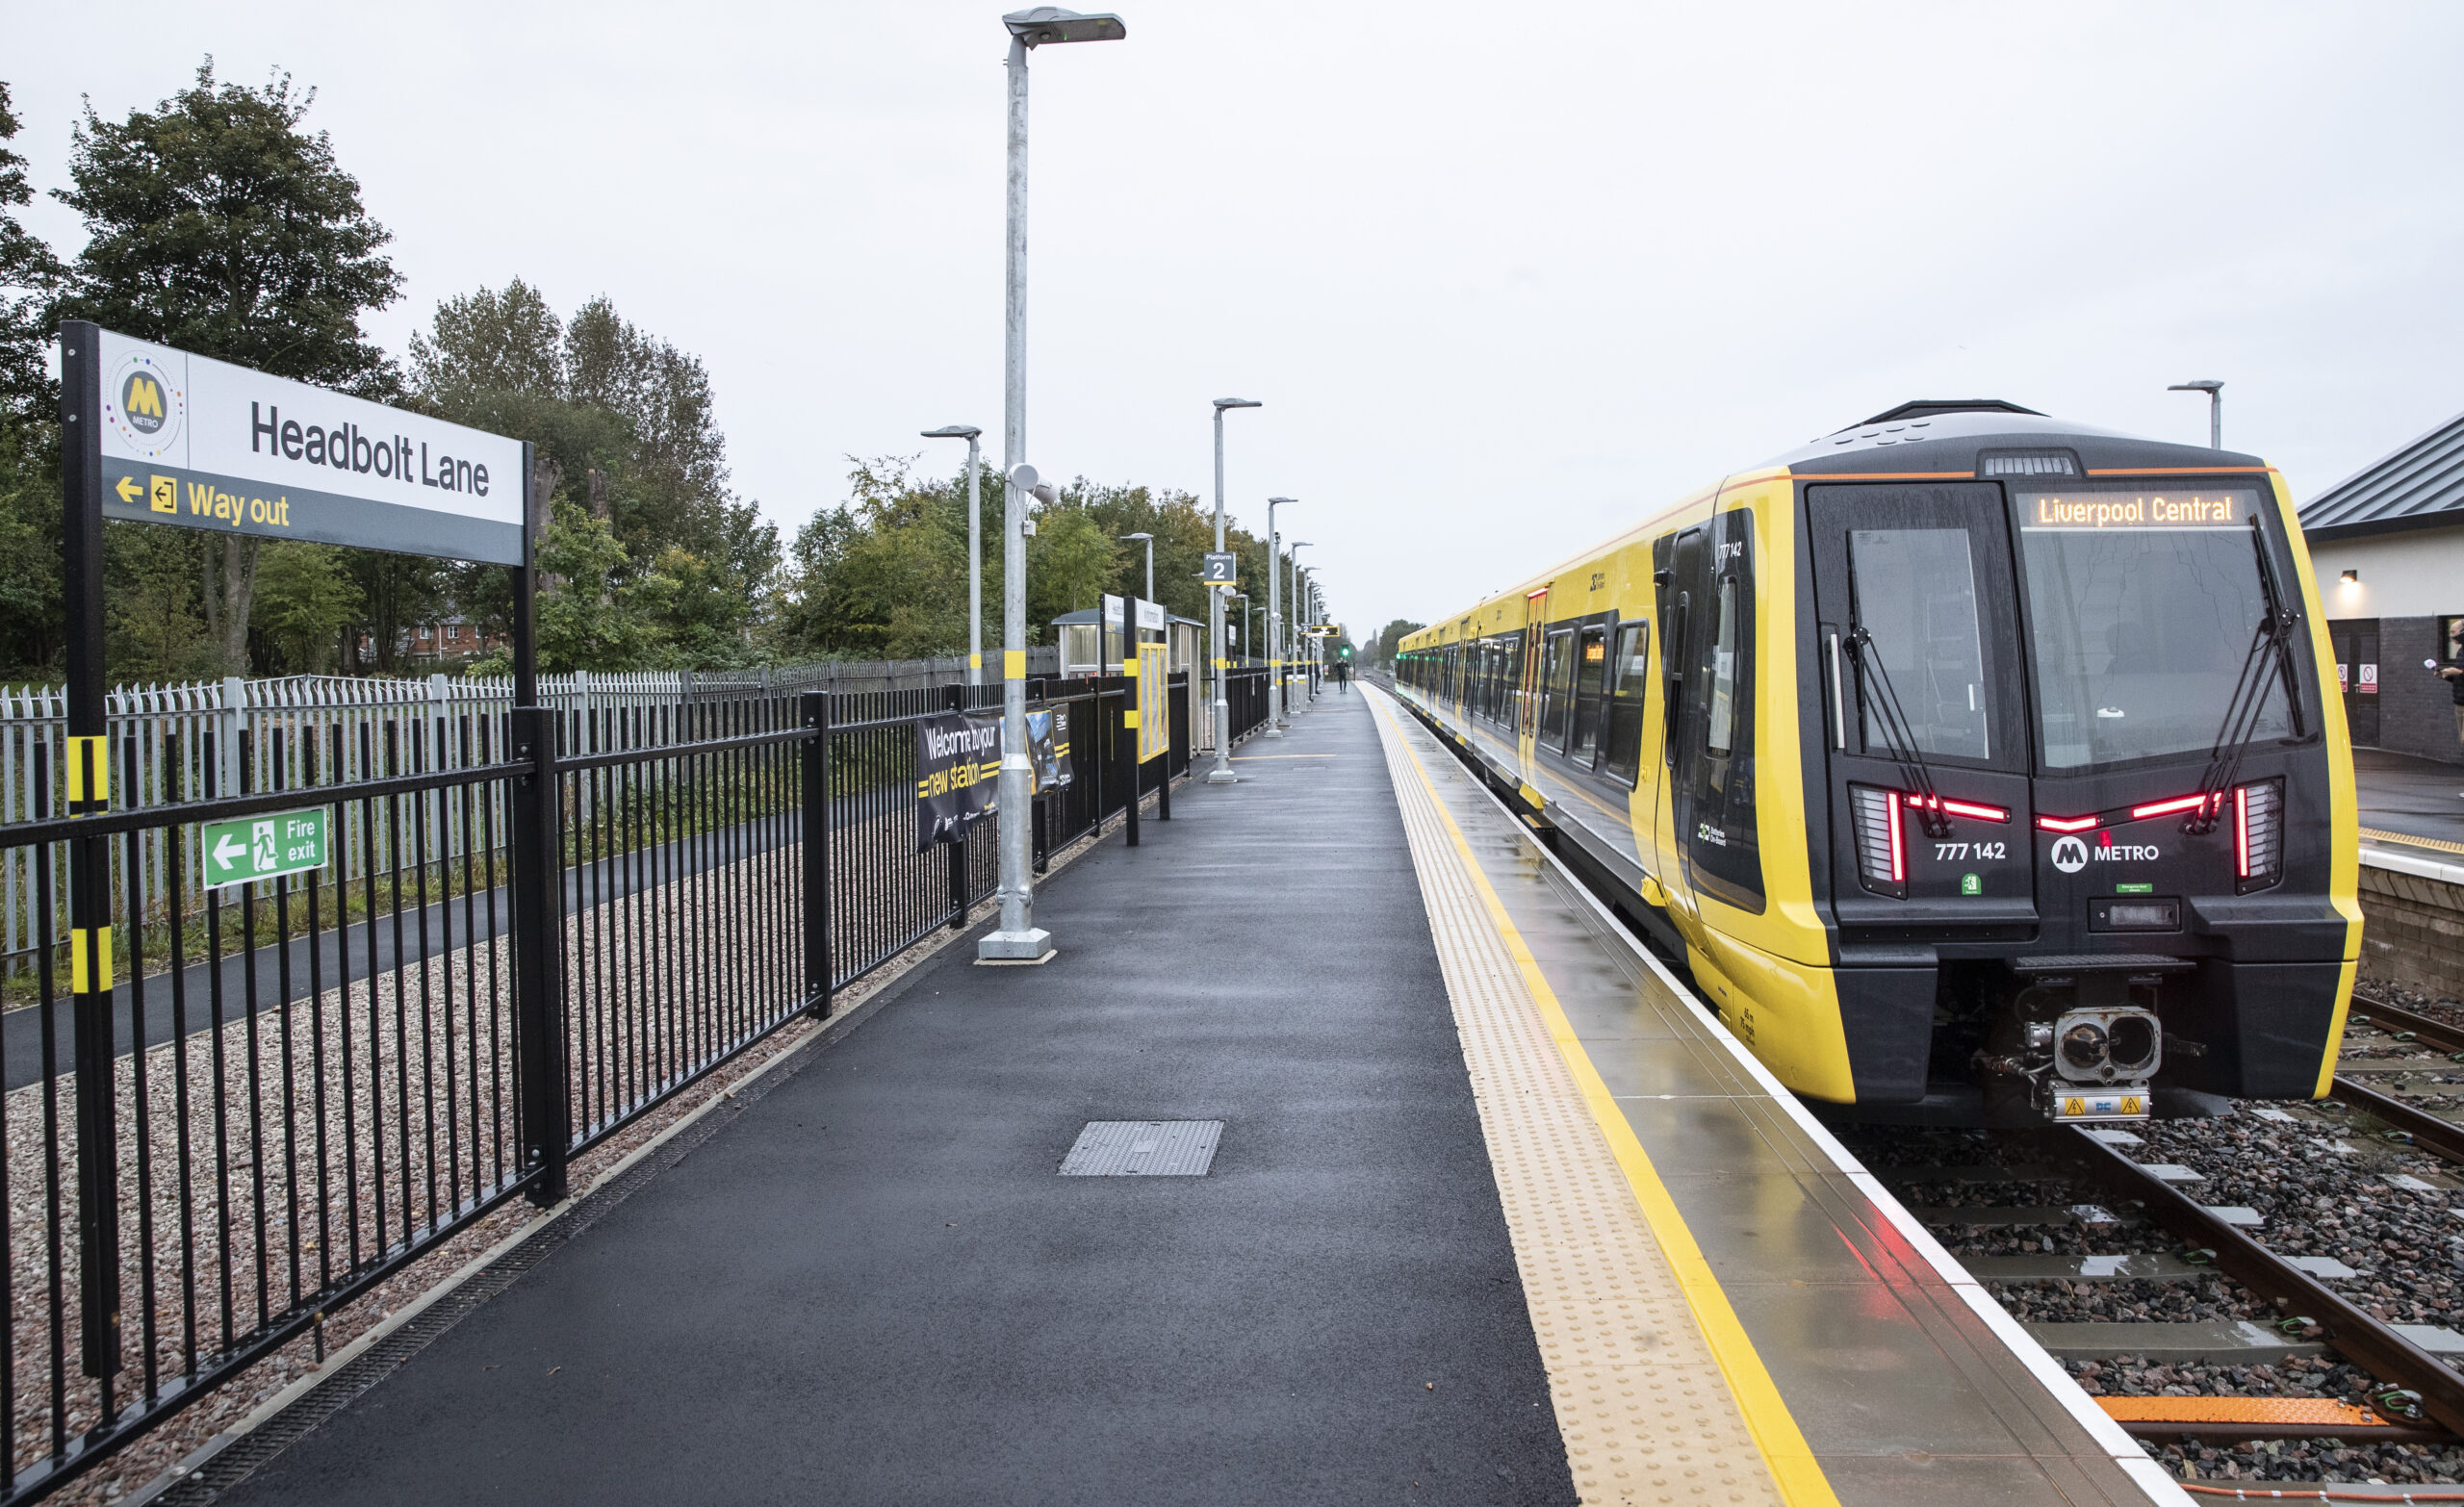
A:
1916, 597
1626, 701
2140, 605
1556, 685
1591, 673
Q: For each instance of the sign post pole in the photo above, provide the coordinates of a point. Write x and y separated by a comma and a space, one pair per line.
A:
1129, 715
538, 893
85, 757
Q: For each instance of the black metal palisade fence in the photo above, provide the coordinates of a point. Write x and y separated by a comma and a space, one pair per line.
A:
534, 927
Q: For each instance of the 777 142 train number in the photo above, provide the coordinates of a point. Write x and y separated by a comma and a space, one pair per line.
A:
1951, 852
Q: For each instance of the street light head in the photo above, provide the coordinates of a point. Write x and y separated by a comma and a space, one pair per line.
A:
1024, 477
1050, 23
1286, 501
953, 431
1137, 536
1222, 403
2202, 385
1045, 493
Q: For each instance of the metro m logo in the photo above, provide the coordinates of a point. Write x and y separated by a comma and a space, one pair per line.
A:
140, 402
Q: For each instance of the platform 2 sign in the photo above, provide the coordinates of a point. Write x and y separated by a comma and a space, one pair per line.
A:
958, 770
188, 440
262, 847
1222, 569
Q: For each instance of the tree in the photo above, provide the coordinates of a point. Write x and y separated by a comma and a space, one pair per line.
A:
624, 425
29, 279
1391, 637
216, 225
305, 597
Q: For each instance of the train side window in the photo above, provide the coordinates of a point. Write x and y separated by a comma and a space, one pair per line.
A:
1557, 683
1721, 734
1626, 701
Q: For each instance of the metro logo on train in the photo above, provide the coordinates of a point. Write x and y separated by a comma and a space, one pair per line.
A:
1777, 723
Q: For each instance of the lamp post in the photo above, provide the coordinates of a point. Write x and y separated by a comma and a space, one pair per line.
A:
1017, 938
1274, 620
974, 544
1150, 563
1221, 774
1299, 609
2214, 392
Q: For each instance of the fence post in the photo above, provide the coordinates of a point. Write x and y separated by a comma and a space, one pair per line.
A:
816, 852
1128, 736
1164, 785
538, 945
954, 697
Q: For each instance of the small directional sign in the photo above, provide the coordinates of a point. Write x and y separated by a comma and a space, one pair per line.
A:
1222, 569
262, 847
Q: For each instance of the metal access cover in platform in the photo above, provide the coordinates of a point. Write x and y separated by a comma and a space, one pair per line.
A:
1143, 1148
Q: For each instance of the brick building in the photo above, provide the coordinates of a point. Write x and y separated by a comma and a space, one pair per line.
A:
2388, 545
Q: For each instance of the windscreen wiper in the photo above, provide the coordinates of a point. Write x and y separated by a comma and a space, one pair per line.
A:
2270, 658
1898, 738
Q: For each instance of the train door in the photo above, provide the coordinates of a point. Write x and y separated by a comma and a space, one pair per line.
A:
1527, 695
1709, 655
2356, 644
1918, 657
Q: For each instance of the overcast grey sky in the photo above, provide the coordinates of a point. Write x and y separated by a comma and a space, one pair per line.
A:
1505, 276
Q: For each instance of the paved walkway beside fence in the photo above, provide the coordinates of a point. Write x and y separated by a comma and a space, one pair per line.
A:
873, 1287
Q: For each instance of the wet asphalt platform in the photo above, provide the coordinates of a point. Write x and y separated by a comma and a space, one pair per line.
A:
872, 1286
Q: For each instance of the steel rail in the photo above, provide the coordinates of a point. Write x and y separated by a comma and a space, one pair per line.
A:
2444, 1137
2367, 1341
2437, 1032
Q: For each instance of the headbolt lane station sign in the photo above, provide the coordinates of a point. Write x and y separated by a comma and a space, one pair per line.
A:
188, 440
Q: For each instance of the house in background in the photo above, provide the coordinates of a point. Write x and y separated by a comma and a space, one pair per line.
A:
2388, 547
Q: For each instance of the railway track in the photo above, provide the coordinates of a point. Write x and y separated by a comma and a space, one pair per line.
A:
2351, 1391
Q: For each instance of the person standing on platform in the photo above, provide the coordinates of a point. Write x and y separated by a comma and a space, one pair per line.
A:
1343, 683
2453, 676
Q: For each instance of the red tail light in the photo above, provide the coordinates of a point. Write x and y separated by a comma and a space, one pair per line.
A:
2065, 824
2188, 803
1881, 860
1983, 813
2258, 836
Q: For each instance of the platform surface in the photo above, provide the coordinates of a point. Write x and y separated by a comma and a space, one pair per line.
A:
1495, 1216
2403, 798
874, 1288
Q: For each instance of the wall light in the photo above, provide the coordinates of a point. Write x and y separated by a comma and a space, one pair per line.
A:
2353, 578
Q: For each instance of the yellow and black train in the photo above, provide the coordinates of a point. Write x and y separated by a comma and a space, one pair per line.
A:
1977, 764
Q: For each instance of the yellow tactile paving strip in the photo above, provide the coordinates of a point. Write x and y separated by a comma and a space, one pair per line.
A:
1647, 1414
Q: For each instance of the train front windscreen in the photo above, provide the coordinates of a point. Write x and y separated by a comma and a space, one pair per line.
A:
2142, 605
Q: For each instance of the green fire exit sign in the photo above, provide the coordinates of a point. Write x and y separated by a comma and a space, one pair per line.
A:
262, 847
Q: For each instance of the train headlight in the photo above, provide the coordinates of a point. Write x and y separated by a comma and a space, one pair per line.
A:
2103, 1045
2082, 1046
1881, 850
2258, 836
